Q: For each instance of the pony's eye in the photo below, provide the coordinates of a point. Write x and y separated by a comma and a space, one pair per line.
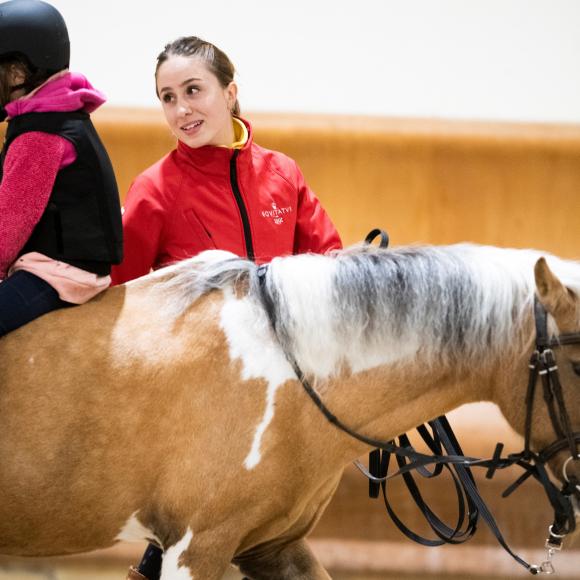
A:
576, 367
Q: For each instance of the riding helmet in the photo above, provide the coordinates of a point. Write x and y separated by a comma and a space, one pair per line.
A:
37, 30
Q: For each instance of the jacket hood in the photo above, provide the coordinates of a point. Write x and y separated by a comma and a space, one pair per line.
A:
62, 93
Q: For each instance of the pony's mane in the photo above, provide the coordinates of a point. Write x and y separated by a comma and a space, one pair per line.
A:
460, 301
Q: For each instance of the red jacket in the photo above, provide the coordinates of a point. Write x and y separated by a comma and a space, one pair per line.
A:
250, 201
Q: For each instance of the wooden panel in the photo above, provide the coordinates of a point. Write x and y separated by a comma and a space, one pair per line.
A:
443, 182
422, 180
135, 139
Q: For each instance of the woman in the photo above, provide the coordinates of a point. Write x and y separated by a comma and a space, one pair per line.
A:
217, 189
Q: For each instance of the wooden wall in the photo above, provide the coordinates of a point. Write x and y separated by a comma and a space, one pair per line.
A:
422, 180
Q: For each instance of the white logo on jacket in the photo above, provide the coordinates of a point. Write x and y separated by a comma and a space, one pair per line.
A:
277, 213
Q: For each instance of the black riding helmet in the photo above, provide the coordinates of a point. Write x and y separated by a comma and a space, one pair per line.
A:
37, 30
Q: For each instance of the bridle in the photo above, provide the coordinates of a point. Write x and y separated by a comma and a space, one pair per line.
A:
447, 453
543, 365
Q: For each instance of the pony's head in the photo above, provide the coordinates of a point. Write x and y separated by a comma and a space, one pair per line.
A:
561, 381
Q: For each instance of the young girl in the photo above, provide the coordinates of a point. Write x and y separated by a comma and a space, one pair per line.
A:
60, 218
217, 189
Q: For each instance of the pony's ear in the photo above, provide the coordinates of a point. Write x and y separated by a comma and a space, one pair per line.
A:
558, 300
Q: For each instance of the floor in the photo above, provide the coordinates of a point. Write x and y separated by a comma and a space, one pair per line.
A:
118, 573
447, 563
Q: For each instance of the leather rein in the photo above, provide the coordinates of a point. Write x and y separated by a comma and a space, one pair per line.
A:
447, 453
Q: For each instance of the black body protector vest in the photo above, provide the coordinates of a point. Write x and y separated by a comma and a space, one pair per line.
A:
82, 221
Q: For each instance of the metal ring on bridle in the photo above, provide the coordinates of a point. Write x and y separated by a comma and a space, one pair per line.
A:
554, 534
565, 466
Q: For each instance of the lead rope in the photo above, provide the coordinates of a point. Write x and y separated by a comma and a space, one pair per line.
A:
467, 493
463, 480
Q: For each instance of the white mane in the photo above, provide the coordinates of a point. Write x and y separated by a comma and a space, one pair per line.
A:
365, 306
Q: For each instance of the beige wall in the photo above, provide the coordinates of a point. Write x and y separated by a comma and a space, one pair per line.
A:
514, 60
424, 181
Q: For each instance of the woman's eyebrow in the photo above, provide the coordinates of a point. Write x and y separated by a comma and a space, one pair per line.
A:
186, 81
189, 80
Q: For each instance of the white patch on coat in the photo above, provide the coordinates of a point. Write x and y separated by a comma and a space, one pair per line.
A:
250, 340
128, 344
255, 455
171, 570
157, 304
135, 531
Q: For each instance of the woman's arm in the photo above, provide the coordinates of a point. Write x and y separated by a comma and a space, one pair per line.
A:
315, 232
30, 167
143, 220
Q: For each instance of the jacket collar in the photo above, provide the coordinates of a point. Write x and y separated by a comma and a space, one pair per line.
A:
212, 159
63, 92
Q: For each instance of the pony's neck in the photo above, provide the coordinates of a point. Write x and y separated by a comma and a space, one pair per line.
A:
387, 401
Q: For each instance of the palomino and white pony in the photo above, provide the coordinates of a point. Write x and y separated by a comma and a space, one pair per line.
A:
166, 409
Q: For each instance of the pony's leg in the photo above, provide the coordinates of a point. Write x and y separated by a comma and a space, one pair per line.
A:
291, 562
196, 558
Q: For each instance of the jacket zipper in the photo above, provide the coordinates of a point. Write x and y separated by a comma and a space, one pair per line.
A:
241, 206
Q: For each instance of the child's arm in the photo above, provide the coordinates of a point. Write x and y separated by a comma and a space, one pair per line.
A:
30, 167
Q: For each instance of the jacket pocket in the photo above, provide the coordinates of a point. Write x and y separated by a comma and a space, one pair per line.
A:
198, 232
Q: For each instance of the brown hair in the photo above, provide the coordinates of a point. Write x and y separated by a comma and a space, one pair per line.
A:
217, 61
34, 77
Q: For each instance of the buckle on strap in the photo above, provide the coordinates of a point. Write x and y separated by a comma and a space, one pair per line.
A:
565, 469
553, 545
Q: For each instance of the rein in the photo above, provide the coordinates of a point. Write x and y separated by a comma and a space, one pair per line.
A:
441, 438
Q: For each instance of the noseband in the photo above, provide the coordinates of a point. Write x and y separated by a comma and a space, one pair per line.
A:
440, 438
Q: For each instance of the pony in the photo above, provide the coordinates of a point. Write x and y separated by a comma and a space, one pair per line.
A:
167, 409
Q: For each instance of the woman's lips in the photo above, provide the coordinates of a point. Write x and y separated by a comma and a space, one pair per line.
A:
191, 127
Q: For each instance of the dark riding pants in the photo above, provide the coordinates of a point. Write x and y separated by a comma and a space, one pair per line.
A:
24, 297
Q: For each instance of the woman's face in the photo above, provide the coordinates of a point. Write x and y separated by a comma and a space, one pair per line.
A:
196, 106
